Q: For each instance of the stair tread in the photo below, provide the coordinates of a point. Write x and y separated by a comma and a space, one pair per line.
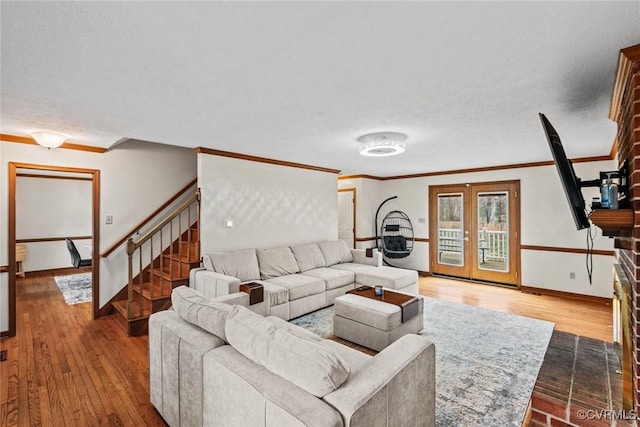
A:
166, 275
160, 290
184, 258
121, 306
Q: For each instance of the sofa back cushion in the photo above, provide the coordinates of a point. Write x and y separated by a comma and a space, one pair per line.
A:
199, 310
242, 264
276, 262
308, 256
335, 252
303, 362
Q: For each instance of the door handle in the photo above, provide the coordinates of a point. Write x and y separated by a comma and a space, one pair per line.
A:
466, 239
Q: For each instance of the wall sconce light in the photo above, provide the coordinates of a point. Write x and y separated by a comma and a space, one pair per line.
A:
49, 139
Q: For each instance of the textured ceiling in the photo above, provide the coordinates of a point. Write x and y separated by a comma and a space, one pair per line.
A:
301, 81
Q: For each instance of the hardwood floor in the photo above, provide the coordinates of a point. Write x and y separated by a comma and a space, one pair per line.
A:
586, 318
64, 368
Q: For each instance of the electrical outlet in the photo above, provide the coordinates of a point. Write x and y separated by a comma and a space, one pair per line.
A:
109, 219
572, 275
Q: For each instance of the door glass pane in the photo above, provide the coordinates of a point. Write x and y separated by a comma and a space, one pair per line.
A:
450, 229
493, 234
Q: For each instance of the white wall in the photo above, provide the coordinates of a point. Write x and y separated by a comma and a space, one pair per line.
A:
48, 207
545, 221
270, 205
136, 178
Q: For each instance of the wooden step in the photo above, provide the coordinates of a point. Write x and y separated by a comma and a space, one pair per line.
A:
190, 251
154, 290
135, 326
195, 234
182, 247
175, 279
184, 258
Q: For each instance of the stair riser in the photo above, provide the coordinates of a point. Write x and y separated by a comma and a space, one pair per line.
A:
160, 305
185, 249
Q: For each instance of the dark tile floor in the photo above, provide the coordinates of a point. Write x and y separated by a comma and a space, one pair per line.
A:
579, 382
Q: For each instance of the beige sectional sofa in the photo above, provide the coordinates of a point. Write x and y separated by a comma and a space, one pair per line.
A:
298, 279
214, 362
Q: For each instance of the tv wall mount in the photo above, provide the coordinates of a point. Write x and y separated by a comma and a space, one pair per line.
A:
618, 176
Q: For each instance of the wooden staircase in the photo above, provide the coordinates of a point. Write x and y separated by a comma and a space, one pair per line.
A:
149, 289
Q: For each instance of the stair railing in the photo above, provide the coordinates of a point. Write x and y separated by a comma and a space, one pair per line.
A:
172, 238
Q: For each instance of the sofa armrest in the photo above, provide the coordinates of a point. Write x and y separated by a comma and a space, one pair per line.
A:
212, 284
360, 257
236, 298
396, 384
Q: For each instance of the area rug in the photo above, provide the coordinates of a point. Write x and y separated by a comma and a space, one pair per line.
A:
487, 362
75, 288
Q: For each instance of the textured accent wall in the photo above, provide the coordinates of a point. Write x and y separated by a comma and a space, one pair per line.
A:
629, 255
270, 205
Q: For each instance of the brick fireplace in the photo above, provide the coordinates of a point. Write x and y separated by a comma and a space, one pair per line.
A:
625, 111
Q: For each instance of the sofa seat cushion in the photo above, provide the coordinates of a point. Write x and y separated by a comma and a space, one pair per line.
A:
335, 252
333, 278
277, 295
304, 362
276, 262
199, 310
299, 285
242, 264
388, 277
308, 256
351, 266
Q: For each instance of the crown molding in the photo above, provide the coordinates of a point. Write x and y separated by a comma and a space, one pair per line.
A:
482, 169
203, 150
4, 137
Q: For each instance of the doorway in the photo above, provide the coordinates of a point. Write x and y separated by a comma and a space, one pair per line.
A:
94, 175
347, 216
474, 230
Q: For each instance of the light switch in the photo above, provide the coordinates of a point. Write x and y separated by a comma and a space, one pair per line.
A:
109, 219
228, 223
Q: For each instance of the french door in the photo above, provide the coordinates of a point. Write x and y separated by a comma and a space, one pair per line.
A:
474, 231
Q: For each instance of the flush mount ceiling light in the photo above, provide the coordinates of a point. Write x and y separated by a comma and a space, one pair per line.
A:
49, 139
380, 144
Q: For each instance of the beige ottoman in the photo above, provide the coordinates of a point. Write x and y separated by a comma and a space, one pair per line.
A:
398, 279
371, 323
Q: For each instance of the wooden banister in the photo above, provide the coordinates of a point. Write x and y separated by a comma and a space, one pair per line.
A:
148, 219
177, 211
154, 278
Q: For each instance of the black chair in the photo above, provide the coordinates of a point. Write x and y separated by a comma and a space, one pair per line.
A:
75, 256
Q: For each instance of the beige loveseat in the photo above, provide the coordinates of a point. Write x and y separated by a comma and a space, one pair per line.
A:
217, 364
298, 279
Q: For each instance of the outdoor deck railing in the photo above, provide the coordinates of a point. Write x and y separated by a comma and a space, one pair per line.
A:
495, 243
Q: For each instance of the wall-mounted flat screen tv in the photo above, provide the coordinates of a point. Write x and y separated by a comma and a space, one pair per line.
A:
570, 182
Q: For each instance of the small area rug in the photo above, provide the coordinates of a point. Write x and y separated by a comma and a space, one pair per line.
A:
75, 288
487, 362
